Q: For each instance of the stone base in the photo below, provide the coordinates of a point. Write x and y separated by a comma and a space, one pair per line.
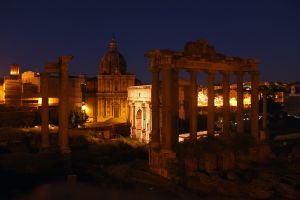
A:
263, 135
209, 162
258, 153
164, 163
154, 145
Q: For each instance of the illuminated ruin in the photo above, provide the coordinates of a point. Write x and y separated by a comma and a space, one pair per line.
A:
198, 56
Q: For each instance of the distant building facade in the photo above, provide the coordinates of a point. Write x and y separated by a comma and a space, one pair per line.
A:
107, 94
139, 107
292, 104
104, 96
24, 89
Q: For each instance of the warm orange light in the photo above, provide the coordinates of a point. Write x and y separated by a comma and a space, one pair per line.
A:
51, 101
233, 101
218, 101
14, 70
247, 100
202, 99
83, 107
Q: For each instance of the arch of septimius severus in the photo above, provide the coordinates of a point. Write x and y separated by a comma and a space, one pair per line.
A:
197, 57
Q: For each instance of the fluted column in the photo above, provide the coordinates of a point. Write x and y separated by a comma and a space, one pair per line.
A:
210, 103
226, 106
240, 102
63, 105
254, 104
193, 104
45, 111
155, 132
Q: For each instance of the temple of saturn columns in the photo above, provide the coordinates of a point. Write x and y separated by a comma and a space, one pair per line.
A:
197, 57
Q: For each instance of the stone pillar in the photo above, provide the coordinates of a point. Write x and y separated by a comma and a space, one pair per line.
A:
144, 123
155, 142
167, 109
95, 109
150, 123
174, 97
133, 121
263, 136
254, 104
210, 103
45, 111
240, 102
128, 113
144, 117
193, 104
264, 114
63, 105
226, 105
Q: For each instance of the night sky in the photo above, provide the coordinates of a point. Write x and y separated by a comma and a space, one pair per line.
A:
33, 32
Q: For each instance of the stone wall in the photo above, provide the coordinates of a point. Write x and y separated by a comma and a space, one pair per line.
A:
163, 164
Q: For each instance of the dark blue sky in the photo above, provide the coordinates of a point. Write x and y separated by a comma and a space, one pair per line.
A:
33, 32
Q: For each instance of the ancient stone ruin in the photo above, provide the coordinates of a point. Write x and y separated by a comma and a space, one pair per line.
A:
197, 56
62, 69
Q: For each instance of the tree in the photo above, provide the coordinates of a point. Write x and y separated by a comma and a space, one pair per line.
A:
77, 118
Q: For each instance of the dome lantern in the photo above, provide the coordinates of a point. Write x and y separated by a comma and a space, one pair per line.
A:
113, 62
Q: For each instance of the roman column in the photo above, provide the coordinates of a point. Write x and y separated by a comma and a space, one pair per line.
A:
254, 104
128, 113
174, 98
226, 106
193, 104
133, 121
63, 105
210, 103
144, 122
45, 111
240, 102
167, 109
155, 142
264, 116
150, 123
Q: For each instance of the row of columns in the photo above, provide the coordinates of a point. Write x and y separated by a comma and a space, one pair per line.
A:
170, 112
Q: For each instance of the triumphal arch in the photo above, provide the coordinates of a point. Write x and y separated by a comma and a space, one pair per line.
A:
197, 57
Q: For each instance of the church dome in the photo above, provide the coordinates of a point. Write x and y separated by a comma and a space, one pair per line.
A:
113, 62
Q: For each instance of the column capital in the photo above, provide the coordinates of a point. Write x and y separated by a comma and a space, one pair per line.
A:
192, 70
253, 73
65, 59
225, 73
210, 71
155, 69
